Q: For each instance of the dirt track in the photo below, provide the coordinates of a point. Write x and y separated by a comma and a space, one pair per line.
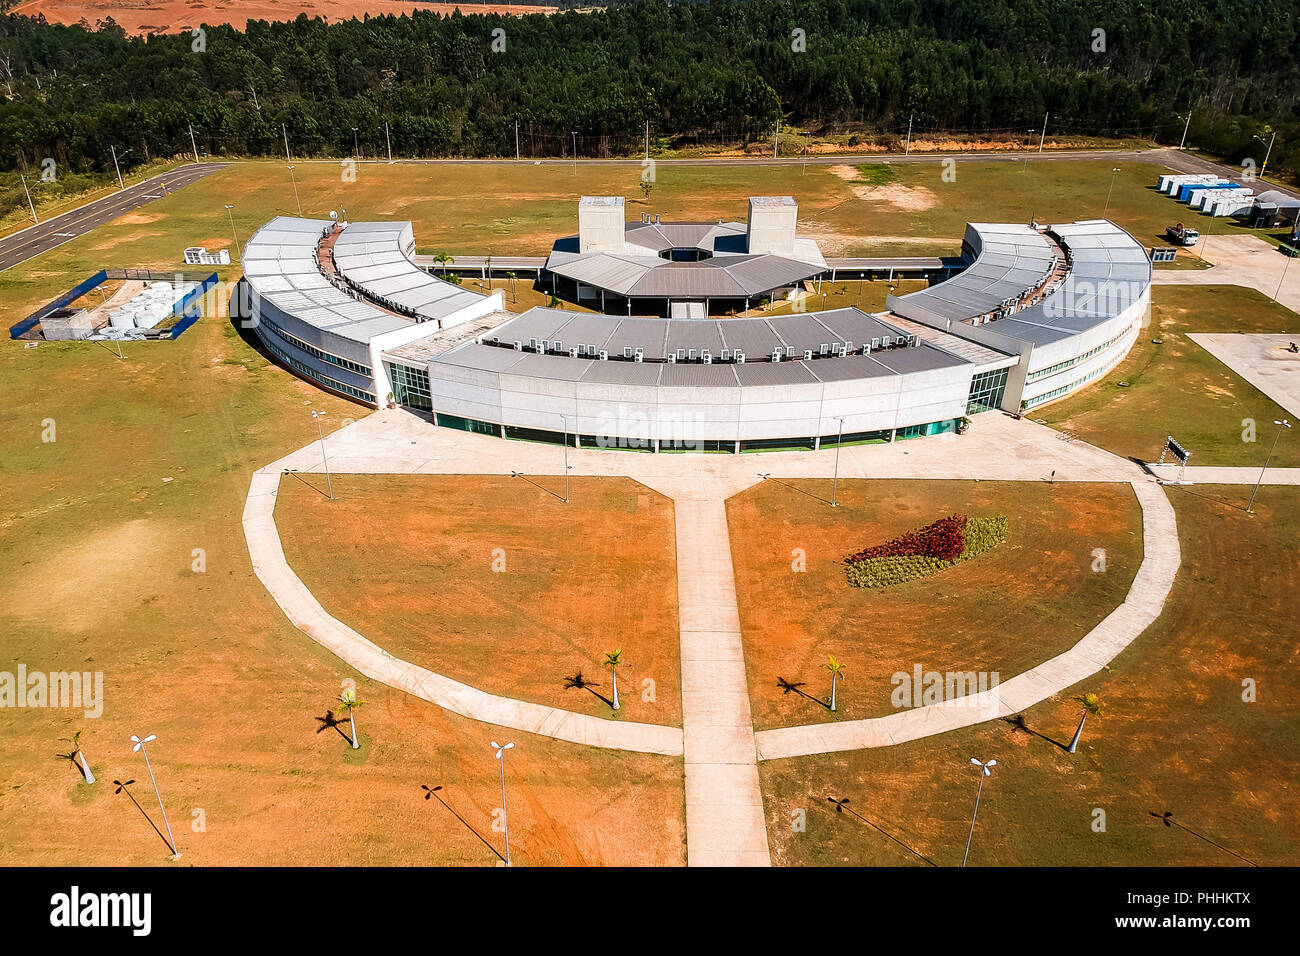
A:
173, 16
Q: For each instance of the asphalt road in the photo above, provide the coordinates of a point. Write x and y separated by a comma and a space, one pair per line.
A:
43, 237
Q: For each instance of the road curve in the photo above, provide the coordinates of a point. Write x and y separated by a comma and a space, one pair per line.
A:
34, 240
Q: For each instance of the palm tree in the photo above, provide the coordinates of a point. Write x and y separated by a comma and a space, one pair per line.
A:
1091, 704
611, 660
348, 703
81, 757
443, 260
837, 671
510, 277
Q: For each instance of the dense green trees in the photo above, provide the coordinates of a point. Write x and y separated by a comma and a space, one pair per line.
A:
727, 68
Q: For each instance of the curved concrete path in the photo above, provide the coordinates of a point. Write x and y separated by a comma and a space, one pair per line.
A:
724, 803
1161, 557
306, 614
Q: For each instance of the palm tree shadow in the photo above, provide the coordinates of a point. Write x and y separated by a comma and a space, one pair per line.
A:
71, 758
124, 788
789, 687
328, 721
1017, 722
433, 792
577, 681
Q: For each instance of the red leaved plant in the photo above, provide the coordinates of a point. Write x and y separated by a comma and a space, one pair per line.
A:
944, 539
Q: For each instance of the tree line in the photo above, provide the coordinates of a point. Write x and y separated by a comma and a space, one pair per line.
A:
476, 85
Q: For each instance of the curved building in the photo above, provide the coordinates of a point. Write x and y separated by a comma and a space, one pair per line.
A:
1036, 313
328, 298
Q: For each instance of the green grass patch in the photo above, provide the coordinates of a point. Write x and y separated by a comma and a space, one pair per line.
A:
875, 174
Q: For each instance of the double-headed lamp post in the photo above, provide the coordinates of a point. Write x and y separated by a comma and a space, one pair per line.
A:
329, 482
1114, 171
985, 771
233, 231
505, 822
565, 422
140, 748
1284, 423
835, 482
1267, 153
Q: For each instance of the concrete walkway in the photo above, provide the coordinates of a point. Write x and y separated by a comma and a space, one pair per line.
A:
306, 614
724, 803
1227, 475
1161, 557
1245, 261
725, 817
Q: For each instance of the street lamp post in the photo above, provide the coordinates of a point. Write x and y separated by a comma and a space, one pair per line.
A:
117, 168
1114, 171
294, 180
233, 231
140, 748
1284, 423
565, 421
1267, 153
356, 145
1286, 265
985, 771
317, 416
575, 152
33, 206
505, 821
835, 482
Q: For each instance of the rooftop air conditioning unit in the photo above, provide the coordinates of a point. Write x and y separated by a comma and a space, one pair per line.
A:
558, 345
884, 341
672, 358
532, 344
776, 355
875, 344
604, 356
726, 355
573, 352
807, 355
638, 357
740, 358
823, 349
546, 345
627, 351
708, 359
519, 346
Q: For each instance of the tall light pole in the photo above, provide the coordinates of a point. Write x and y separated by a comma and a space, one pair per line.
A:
1286, 265
285, 130
316, 417
565, 422
32, 206
116, 167
233, 232
140, 748
835, 482
985, 771
294, 179
505, 821
356, 144
193, 145
1284, 423
388, 139
1043, 135
1186, 126
1267, 153
575, 152
1114, 171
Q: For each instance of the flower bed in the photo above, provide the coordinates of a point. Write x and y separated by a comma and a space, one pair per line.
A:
917, 554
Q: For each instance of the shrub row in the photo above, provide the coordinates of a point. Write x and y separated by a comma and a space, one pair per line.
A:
925, 552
